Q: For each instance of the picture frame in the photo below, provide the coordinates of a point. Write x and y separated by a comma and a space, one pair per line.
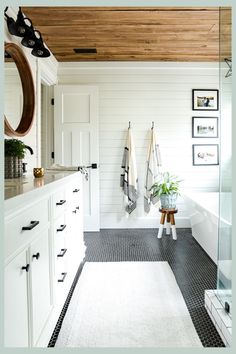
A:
205, 154
205, 100
205, 127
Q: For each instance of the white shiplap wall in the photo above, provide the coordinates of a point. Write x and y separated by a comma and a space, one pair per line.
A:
142, 93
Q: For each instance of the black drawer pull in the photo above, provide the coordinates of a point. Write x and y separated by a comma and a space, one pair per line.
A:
77, 208
63, 277
61, 202
26, 268
31, 226
62, 228
37, 255
76, 190
74, 211
63, 251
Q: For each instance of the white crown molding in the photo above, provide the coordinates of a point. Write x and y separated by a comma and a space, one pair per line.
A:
133, 65
48, 70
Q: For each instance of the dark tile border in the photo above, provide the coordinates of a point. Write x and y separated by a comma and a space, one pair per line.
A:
57, 328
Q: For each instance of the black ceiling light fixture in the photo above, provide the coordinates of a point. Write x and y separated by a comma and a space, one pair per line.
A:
39, 49
18, 27
32, 38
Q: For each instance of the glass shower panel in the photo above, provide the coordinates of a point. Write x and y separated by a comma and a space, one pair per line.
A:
224, 287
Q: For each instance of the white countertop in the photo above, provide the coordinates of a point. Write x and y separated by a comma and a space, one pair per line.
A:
17, 186
18, 190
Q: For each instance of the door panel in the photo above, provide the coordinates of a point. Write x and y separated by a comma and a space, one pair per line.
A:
77, 143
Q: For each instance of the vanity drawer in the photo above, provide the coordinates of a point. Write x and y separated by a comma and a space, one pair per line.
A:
73, 194
59, 203
20, 228
60, 225
61, 275
60, 246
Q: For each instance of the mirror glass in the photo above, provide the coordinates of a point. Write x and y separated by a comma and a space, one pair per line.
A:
20, 105
13, 100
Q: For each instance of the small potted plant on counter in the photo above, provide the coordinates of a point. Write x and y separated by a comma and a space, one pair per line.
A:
14, 153
166, 189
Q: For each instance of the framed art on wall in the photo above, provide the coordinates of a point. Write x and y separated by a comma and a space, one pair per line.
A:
204, 127
205, 154
205, 100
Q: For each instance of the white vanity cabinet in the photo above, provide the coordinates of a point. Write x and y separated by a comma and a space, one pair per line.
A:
68, 235
42, 255
27, 274
60, 232
74, 219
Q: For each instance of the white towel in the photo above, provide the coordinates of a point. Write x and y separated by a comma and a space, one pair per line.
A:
153, 170
58, 167
129, 178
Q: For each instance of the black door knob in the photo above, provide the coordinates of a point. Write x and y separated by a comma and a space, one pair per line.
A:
93, 165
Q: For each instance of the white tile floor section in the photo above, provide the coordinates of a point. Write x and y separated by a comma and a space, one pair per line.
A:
219, 316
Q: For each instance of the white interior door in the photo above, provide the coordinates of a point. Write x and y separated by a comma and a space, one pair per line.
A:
76, 140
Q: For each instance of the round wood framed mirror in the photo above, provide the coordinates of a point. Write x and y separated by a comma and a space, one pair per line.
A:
28, 102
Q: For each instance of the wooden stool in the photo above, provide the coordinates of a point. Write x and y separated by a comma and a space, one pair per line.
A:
170, 221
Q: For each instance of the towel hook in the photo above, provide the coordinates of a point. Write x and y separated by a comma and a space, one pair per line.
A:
152, 125
129, 124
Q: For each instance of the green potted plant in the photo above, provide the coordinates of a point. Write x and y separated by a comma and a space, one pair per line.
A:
14, 153
166, 189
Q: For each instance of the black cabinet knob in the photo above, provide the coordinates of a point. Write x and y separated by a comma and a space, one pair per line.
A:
26, 268
37, 255
77, 208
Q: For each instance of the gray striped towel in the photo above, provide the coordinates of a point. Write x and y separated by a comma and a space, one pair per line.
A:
129, 179
153, 171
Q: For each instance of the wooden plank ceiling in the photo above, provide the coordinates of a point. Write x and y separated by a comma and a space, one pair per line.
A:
128, 33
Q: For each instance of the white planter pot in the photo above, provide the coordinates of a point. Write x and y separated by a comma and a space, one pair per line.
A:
168, 201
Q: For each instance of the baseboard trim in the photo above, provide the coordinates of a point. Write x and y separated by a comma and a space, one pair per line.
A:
140, 223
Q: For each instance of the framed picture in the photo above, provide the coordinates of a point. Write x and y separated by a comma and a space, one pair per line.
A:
204, 127
205, 154
205, 100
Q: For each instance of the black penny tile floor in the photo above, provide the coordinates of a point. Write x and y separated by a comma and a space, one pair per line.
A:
194, 270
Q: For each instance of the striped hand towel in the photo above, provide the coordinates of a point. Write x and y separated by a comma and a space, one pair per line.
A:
129, 179
153, 170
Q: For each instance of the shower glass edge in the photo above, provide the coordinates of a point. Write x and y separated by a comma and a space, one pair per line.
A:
224, 266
